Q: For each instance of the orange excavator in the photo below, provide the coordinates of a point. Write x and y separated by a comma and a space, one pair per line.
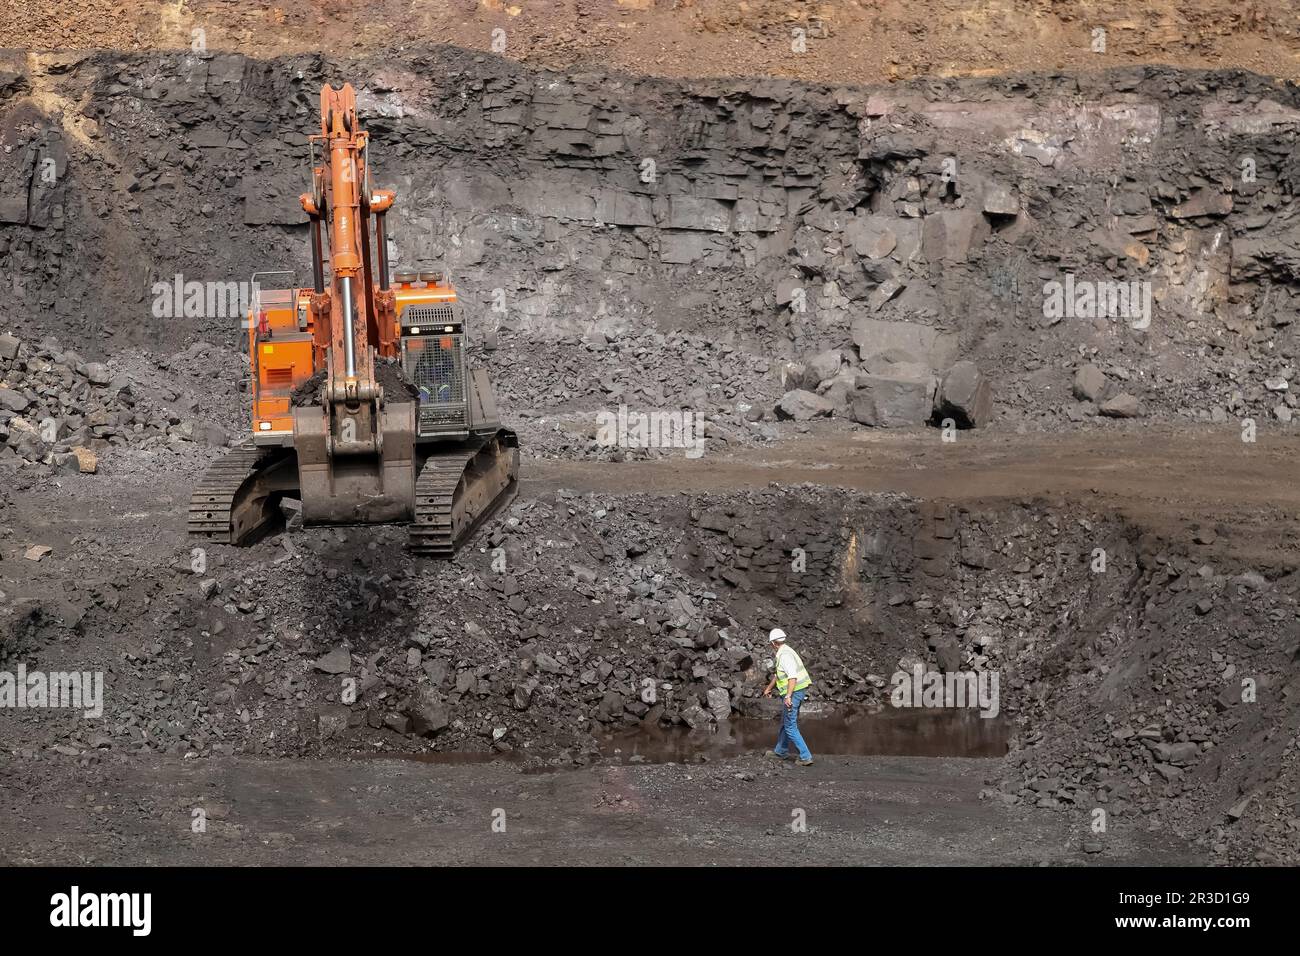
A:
363, 406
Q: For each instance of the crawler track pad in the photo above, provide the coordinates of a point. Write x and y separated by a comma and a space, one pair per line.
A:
235, 501
458, 488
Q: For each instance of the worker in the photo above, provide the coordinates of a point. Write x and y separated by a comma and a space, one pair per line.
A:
792, 682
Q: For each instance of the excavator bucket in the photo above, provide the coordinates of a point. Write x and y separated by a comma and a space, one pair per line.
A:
359, 488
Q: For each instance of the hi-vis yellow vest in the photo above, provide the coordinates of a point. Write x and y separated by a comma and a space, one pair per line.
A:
800, 675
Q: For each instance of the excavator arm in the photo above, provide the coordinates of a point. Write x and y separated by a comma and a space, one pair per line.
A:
354, 452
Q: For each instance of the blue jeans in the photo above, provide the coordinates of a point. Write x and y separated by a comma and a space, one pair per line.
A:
790, 728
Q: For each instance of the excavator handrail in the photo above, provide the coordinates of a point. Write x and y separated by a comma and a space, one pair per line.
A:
257, 287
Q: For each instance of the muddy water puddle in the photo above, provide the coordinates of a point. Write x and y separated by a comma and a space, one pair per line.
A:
903, 733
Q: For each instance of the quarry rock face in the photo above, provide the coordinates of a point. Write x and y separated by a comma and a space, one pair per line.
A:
802, 406
887, 248
902, 397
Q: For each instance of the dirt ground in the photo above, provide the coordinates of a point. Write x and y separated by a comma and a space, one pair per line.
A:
853, 41
877, 811
1165, 479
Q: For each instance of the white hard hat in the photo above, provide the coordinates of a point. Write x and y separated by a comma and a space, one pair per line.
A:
777, 635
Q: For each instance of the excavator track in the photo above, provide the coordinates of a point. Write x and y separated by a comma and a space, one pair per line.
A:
226, 507
459, 488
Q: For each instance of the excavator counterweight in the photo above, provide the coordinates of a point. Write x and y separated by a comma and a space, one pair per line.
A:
364, 407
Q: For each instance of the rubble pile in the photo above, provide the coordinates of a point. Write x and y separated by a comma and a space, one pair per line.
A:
1187, 733
60, 413
1151, 684
881, 383
560, 393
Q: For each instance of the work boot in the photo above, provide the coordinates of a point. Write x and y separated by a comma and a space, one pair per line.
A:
806, 763
776, 756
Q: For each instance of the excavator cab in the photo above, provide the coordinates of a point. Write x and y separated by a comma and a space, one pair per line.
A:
431, 352
433, 358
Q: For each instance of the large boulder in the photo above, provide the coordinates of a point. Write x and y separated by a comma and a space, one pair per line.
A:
98, 373
13, 400
332, 721
524, 691
883, 362
427, 711
901, 369
870, 236
903, 397
839, 391
719, 703
825, 365
694, 715
66, 463
966, 396
28, 445
1000, 200
1122, 405
337, 661
803, 406
929, 345
1089, 383
1203, 202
